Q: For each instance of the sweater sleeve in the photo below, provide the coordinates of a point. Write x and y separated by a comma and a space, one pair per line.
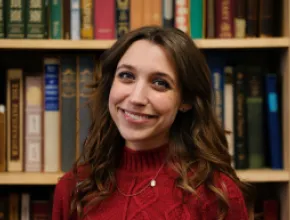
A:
57, 207
61, 198
237, 207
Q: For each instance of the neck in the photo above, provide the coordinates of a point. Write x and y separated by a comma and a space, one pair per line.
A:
142, 145
143, 160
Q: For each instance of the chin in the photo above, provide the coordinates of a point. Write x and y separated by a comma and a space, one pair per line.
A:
133, 136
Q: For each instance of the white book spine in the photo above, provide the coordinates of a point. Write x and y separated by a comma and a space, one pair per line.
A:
14, 120
51, 116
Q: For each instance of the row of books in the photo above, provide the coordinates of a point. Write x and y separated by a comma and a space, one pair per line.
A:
110, 19
45, 110
247, 103
22, 206
46, 116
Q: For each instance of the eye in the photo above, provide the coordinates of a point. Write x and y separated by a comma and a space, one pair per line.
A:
126, 76
161, 84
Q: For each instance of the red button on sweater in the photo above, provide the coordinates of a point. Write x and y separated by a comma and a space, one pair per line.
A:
164, 201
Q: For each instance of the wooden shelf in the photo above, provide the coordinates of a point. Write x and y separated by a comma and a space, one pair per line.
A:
280, 42
22, 178
264, 175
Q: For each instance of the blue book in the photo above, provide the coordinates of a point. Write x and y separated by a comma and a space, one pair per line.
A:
273, 127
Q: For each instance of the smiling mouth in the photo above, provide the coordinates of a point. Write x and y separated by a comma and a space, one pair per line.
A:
136, 116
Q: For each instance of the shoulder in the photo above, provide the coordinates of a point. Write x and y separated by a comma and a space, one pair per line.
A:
68, 182
232, 193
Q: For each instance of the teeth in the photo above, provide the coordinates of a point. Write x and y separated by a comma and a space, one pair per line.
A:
135, 117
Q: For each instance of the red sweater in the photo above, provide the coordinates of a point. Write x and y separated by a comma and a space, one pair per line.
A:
163, 201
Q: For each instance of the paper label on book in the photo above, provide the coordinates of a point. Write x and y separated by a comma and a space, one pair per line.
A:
51, 87
34, 124
34, 151
272, 100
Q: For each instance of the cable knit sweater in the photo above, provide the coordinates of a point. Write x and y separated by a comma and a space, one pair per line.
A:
164, 201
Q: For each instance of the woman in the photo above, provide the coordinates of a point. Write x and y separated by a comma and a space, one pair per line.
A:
155, 148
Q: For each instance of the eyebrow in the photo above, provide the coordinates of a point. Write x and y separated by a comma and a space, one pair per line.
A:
132, 68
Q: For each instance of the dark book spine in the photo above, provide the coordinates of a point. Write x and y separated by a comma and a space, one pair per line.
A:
2, 19
266, 18
68, 111
84, 78
240, 148
252, 18
122, 17
210, 18
36, 19
15, 18
224, 16
255, 127
66, 19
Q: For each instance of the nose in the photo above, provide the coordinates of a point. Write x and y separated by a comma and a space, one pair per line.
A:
139, 94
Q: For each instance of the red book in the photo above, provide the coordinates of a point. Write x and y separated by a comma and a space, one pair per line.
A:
224, 17
104, 17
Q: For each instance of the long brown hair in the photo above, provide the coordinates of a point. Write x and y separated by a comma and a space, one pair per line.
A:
196, 137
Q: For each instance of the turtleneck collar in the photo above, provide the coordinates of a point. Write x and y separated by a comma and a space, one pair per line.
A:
143, 160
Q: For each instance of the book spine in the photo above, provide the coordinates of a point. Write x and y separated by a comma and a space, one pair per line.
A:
75, 20
210, 18
273, 125
241, 153
15, 18
266, 18
4, 206
2, 138
87, 25
84, 78
14, 120
36, 19
156, 15
168, 13
33, 124
14, 205
240, 19
218, 86
68, 112
252, 18
25, 206
51, 116
66, 10
255, 117
2, 19
122, 17
229, 108
104, 19
56, 23
196, 18
224, 16
136, 14
182, 19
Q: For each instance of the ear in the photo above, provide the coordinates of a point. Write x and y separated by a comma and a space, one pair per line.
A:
185, 107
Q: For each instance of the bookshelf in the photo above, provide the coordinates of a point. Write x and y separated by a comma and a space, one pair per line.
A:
15, 44
27, 178
18, 46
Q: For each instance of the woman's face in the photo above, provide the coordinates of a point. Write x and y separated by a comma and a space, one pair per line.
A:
144, 98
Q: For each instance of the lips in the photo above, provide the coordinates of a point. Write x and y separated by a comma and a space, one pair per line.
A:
136, 115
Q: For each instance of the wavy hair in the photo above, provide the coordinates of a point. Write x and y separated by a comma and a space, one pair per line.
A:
196, 137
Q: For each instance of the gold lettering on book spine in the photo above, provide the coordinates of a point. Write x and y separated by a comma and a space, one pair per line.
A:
123, 19
87, 19
225, 27
15, 129
68, 83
